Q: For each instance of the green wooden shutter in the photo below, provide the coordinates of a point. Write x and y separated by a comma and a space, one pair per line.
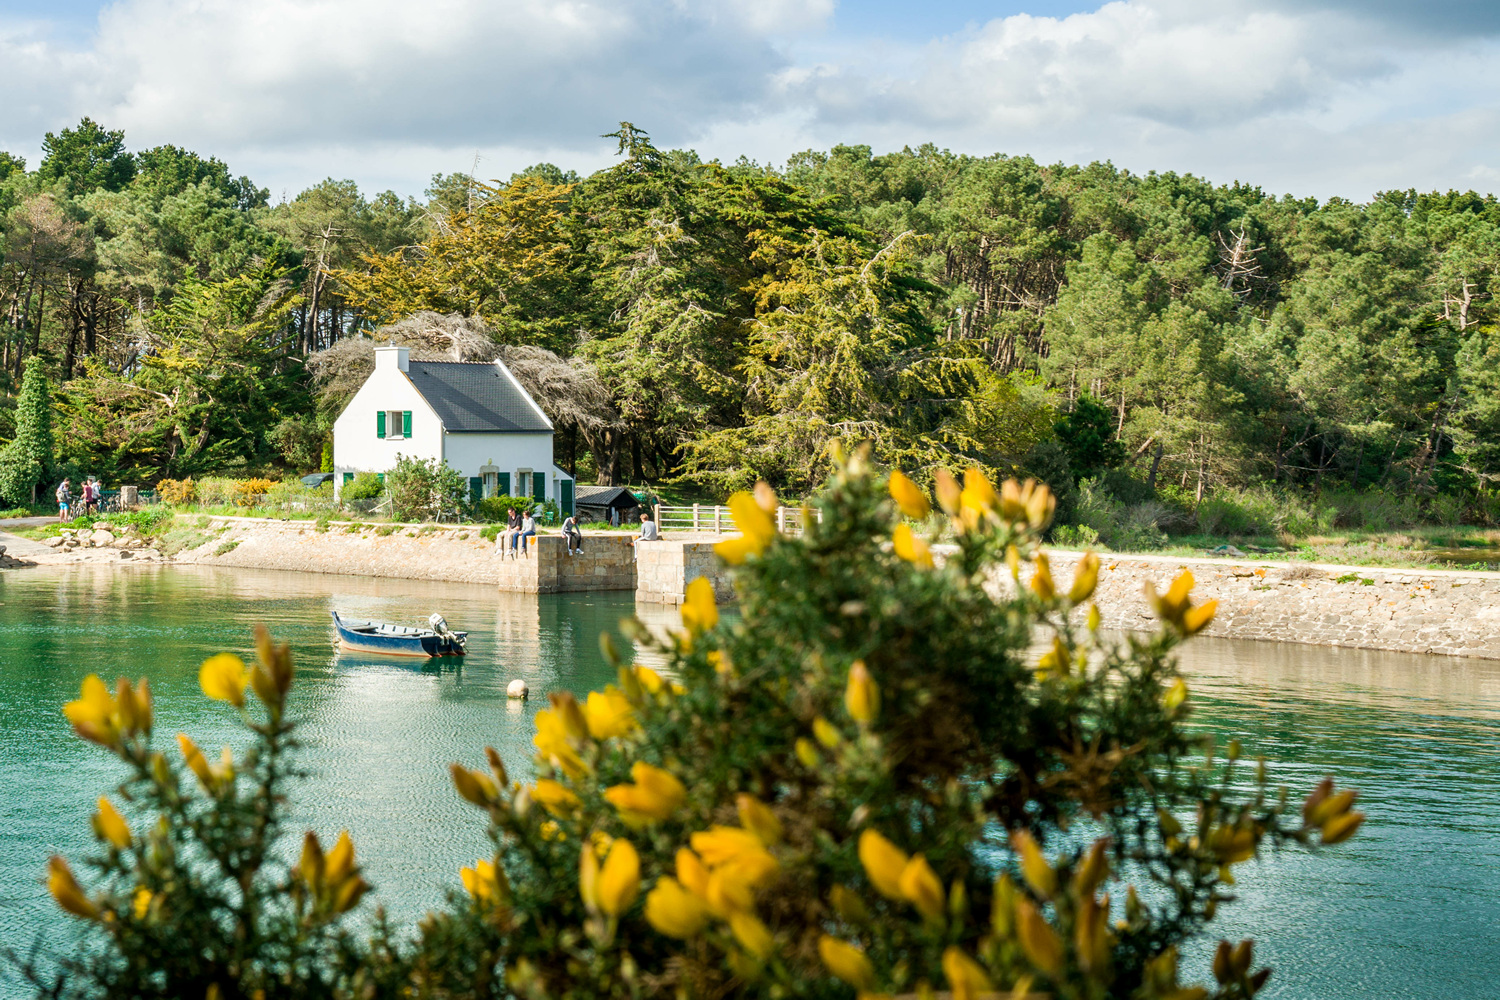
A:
380, 423
348, 477
380, 476
406, 423
539, 486
505, 484
476, 489
565, 487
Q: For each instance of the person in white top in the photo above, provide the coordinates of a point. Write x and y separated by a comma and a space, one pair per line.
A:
648, 534
528, 530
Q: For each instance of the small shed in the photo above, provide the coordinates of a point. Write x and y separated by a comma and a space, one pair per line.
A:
596, 502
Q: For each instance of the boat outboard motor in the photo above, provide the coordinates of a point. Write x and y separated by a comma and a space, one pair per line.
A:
440, 626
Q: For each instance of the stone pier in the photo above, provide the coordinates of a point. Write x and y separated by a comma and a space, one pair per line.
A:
666, 568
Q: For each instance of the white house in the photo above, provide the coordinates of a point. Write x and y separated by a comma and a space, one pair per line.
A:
473, 415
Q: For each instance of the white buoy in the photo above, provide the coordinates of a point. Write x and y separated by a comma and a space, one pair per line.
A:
516, 689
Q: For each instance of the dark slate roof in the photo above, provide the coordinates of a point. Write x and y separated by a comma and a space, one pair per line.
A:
605, 496
474, 396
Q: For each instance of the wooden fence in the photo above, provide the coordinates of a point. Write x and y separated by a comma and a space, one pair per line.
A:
716, 519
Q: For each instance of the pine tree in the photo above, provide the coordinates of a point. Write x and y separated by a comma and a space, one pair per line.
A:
28, 459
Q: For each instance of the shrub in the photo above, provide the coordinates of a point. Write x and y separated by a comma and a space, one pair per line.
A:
864, 780
1123, 527
217, 491
423, 488
364, 486
251, 492
178, 492
299, 441
493, 509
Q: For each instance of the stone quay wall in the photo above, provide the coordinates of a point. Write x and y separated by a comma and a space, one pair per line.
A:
456, 554
1446, 612
667, 567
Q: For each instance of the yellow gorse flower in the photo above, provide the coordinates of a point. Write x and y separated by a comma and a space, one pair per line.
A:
213, 777
619, 878
100, 718
1034, 867
1041, 580
825, 733
906, 545
1039, 942
757, 530
909, 497
67, 892
1085, 579
920, 886
949, 493
752, 935
332, 881
223, 678
978, 497
485, 882
271, 677
555, 797
655, 795
1176, 609
110, 825
700, 610
474, 786
140, 902
555, 746
861, 696
675, 911
758, 818
883, 862
608, 714
847, 962
965, 976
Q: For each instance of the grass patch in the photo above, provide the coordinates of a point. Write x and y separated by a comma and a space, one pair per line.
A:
227, 547
355, 528
386, 530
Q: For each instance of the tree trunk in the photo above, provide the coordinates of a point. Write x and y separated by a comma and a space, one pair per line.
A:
1155, 464
635, 457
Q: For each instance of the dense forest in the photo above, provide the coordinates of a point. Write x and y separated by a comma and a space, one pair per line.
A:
718, 323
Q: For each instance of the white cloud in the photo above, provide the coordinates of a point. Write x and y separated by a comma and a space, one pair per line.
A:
1310, 96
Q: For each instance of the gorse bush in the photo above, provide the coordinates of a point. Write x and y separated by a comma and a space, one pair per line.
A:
865, 787
177, 491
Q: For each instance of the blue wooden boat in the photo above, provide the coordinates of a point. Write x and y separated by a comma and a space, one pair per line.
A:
400, 640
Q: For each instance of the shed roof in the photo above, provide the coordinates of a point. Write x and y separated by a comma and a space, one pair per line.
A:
476, 396
605, 496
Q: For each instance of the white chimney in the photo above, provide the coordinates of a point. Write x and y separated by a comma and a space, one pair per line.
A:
393, 357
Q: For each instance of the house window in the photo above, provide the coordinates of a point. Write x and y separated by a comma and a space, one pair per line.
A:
523, 483
393, 425
491, 484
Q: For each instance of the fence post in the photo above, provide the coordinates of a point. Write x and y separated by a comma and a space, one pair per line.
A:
695, 517
781, 519
718, 523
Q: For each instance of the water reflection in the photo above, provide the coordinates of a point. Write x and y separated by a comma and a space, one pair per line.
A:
1409, 908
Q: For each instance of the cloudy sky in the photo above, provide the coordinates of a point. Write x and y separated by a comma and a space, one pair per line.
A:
1311, 97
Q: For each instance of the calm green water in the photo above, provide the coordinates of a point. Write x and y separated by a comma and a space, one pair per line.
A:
1411, 908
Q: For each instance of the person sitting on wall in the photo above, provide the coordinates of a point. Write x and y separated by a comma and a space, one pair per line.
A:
504, 541
572, 536
528, 530
648, 534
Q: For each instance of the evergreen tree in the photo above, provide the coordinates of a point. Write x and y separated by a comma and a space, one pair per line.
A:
28, 459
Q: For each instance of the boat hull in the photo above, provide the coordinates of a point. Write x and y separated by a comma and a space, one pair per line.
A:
395, 640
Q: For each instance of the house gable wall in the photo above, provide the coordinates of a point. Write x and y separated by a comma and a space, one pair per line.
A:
356, 445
